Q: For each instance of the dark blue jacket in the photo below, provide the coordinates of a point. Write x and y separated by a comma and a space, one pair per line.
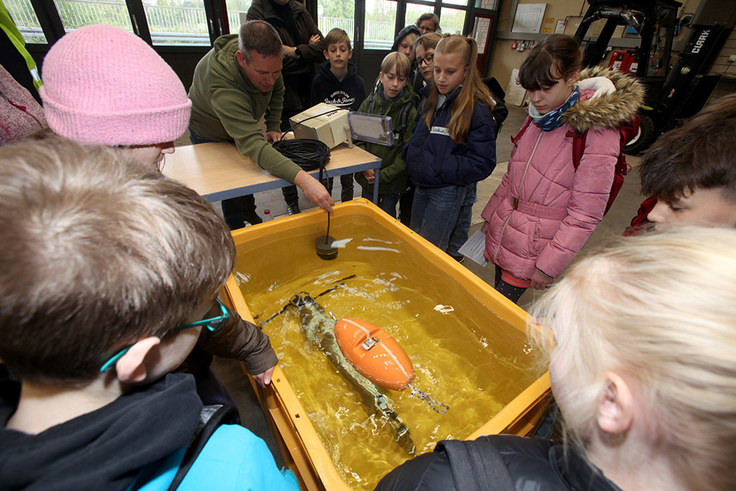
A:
435, 160
347, 93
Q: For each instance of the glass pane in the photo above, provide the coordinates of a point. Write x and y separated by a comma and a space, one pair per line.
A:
336, 13
75, 14
455, 2
452, 20
380, 17
485, 4
234, 10
25, 20
413, 11
179, 22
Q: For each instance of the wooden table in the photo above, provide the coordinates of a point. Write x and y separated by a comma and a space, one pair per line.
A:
219, 171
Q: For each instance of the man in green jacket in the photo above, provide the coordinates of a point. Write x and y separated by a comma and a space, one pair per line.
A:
236, 85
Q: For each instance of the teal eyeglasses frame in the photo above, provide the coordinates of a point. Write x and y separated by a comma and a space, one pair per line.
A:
213, 324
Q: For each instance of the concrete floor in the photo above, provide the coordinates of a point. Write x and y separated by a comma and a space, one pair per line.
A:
272, 202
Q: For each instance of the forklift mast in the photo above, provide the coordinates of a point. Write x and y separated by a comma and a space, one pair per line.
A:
672, 95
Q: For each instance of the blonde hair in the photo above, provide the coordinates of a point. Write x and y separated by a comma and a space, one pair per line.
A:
660, 309
99, 251
398, 60
472, 91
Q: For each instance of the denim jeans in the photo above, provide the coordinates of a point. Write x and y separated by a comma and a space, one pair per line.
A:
235, 210
436, 213
459, 234
386, 202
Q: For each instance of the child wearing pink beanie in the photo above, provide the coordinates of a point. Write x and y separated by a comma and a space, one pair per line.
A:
106, 86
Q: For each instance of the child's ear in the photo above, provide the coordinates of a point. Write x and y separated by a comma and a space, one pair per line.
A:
131, 367
615, 412
324, 52
574, 77
350, 53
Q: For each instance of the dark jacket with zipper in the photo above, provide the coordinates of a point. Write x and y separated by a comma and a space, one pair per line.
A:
434, 160
297, 72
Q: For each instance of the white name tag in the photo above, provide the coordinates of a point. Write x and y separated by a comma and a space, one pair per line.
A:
439, 130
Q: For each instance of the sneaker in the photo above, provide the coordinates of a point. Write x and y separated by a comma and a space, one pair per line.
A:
459, 258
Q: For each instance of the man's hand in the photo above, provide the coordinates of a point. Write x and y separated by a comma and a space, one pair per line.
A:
315, 39
540, 281
289, 51
264, 379
370, 175
273, 136
314, 191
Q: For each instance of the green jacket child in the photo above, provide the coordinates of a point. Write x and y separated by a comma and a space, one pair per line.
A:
393, 177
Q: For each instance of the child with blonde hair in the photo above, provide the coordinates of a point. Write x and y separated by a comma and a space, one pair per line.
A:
393, 97
546, 206
640, 339
452, 148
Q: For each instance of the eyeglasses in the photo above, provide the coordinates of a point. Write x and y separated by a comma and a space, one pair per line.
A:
213, 325
427, 59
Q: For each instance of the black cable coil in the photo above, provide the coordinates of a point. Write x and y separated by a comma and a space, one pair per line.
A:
307, 154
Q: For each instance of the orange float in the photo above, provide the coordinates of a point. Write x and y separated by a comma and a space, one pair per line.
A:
374, 353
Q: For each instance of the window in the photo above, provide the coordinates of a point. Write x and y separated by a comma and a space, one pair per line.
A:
413, 11
177, 22
452, 20
79, 13
234, 10
380, 17
25, 19
339, 14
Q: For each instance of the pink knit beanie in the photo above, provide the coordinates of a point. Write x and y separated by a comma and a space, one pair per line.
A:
103, 85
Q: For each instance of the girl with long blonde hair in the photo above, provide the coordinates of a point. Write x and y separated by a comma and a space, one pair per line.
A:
453, 146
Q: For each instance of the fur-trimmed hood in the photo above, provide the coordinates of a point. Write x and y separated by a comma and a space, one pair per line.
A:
606, 111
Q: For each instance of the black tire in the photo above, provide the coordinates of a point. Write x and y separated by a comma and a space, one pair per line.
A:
643, 139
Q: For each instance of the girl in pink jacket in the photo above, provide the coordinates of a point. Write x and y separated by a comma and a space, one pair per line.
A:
544, 210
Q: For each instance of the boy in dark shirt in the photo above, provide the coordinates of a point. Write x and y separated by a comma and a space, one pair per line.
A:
339, 84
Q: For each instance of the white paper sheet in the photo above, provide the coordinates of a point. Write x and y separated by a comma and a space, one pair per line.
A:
474, 247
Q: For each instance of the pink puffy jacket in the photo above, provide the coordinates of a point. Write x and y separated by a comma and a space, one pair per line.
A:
544, 210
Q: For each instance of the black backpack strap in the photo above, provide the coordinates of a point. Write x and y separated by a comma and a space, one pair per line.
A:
210, 418
403, 117
477, 465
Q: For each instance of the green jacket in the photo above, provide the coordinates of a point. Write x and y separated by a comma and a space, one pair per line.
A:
227, 107
393, 177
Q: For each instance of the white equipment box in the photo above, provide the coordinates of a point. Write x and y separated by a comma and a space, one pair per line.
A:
323, 122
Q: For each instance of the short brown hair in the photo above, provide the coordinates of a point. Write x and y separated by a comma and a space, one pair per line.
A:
400, 61
427, 41
337, 36
697, 155
259, 36
429, 16
98, 251
557, 52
